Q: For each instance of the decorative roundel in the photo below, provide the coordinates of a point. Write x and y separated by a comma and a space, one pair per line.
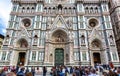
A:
26, 22
93, 22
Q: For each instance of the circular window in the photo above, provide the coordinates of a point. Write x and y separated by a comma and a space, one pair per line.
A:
93, 22
26, 22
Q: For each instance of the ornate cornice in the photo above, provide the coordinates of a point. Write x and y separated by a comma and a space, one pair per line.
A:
91, 1
27, 1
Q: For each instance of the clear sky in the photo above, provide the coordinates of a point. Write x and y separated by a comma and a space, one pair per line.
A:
5, 8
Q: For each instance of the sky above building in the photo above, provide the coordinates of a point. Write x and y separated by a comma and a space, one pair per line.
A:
5, 8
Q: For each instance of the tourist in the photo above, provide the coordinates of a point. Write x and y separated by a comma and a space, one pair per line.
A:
118, 71
10, 74
37, 72
71, 70
93, 72
33, 71
44, 71
111, 73
21, 72
77, 72
27, 70
2, 72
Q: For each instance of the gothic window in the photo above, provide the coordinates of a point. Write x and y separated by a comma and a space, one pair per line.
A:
12, 17
74, 26
81, 18
96, 9
74, 19
107, 18
37, 24
104, 8
42, 42
107, 24
114, 56
41, 56
3, 56
91, 9
43, 26
39, 7
8, 55
14, 8
32, 8
86, 9
81, 25
28, 8
84, 56
10, 24
60, 7
76, 56
34, 55
44, 20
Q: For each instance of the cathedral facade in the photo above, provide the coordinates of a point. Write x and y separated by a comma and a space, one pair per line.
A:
59, 32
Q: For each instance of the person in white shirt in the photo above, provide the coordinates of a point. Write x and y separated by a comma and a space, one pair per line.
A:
93, 73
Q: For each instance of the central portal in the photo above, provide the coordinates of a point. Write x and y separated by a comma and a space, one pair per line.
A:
96, 57
59, 56
21, 58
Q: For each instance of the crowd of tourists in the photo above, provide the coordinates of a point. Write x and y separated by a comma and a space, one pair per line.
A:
98, 70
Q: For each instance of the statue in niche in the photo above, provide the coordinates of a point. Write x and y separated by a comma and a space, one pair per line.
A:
69, 22
95, 44
59, 38
111, 39
23, 44
82, 39
35, 40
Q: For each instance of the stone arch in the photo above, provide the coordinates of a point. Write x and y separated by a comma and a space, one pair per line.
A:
22, 43
59, 36
96, 43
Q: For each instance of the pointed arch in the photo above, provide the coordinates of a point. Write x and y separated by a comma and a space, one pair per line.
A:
59, 36
22, 43
96, 43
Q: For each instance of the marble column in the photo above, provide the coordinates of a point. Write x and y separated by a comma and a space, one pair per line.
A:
71, 53
27, 58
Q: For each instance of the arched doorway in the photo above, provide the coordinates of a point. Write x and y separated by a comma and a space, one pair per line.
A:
22, 45
96, 46
21, 58
96, 58
59, 56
